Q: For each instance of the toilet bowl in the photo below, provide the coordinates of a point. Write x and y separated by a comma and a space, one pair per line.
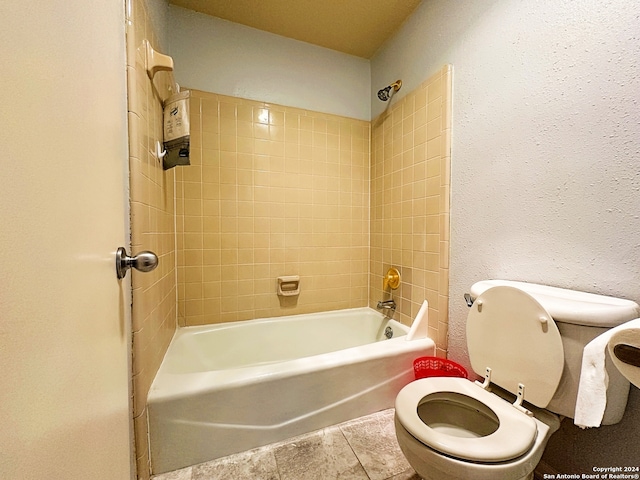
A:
451, 428
454, 428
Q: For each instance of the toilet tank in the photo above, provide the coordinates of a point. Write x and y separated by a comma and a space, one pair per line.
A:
580, 317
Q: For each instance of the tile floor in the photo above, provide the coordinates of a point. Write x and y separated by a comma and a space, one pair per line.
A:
360, 449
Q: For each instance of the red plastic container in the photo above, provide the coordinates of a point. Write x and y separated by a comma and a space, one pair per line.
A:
424, 367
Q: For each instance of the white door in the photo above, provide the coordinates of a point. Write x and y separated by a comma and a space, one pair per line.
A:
64, 317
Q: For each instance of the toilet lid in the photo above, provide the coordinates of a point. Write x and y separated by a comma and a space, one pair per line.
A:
511, 333
514, 436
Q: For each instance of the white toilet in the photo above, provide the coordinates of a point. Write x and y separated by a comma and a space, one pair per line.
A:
527, 341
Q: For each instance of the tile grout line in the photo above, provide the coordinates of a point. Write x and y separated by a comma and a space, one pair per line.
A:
275, 459
354, 452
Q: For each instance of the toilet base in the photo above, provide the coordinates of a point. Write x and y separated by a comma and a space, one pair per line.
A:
432, 465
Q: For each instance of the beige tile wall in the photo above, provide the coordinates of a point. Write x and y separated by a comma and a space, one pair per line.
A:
410, 172
271, 191
152, 222
276, 191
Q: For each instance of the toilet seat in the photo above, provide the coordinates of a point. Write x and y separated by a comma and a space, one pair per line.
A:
515, 435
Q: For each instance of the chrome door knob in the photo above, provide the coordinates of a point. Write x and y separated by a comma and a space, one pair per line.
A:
143, 262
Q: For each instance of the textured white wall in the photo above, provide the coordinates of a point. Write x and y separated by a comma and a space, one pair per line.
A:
158, 12
222, 57
545, 149
546, 140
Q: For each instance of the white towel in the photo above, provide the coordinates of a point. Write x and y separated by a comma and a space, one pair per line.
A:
592, 390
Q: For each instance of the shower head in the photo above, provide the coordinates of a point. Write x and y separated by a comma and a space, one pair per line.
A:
385, 94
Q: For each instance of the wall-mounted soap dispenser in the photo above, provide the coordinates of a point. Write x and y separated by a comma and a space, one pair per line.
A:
176, 130
176, 112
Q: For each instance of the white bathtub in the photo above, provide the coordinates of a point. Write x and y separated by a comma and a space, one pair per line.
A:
227, 388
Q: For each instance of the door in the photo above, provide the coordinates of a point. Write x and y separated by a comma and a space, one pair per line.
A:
64, 317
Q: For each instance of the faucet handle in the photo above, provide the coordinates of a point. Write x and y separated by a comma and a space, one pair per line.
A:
391, 279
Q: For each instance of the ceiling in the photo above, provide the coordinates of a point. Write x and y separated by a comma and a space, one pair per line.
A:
356, 27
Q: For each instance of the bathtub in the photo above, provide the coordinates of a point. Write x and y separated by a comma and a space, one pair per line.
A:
226, 388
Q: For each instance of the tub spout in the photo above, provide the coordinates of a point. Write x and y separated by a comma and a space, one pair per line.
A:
387, 304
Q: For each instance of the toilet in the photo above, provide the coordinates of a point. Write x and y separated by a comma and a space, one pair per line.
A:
526, 340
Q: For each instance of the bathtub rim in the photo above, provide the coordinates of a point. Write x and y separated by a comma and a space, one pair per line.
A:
168, 386
191, 329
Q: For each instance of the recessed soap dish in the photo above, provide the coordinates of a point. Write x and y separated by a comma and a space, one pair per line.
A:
289, 285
